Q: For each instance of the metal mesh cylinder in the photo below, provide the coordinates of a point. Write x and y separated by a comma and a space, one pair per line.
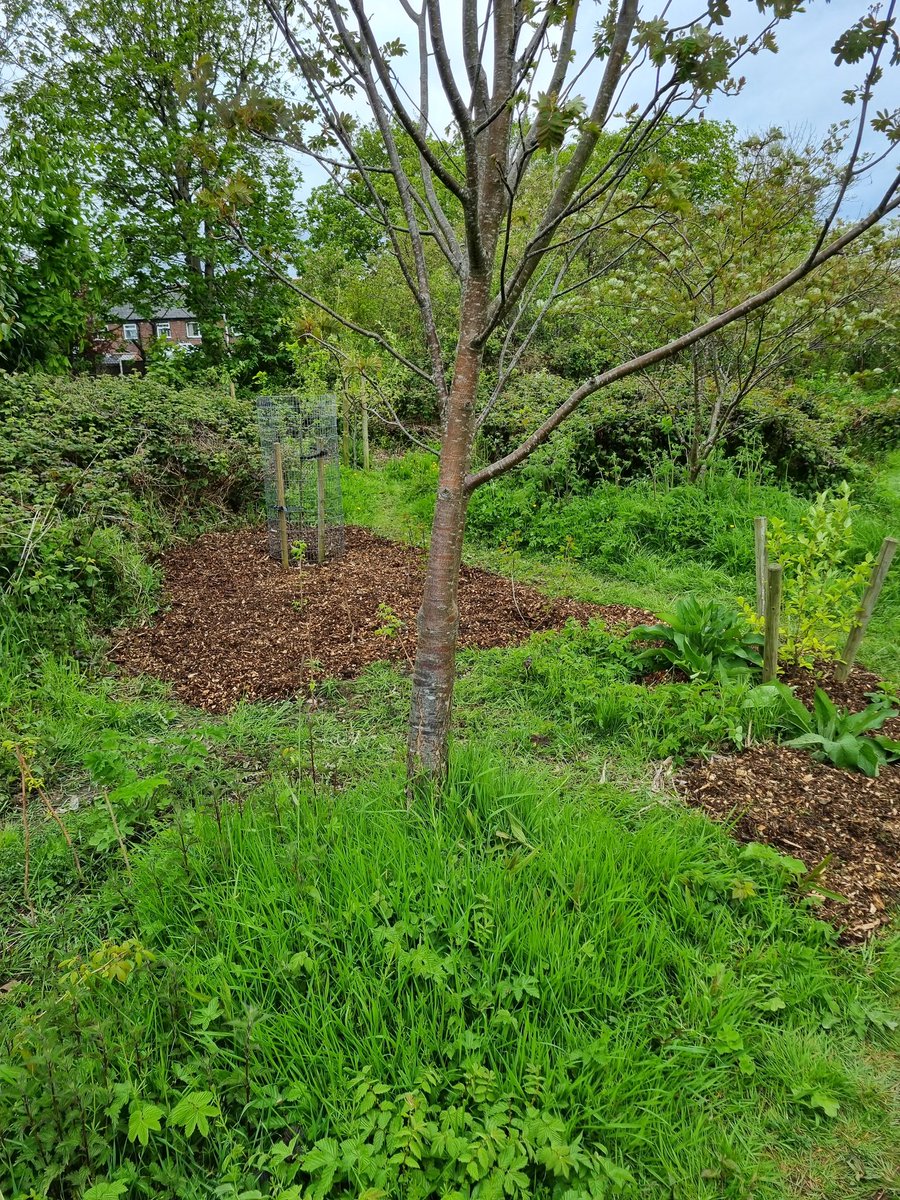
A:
298, 438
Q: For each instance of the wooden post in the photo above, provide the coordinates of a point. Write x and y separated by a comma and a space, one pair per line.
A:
345, 431
282, 510
320, 505
762, 562
231, 390
773, 620
365, 429
866, 608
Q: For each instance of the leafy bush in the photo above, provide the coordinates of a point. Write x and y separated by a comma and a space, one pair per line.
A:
832, 733
821, 585
797, 432
876, 425
98, 474
703, 638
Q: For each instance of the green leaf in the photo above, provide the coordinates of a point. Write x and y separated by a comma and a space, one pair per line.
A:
825, 712
554, 119
106, 1190
140, 789
143, 1119
194, 1111
759, 852
821, 1100
890, 746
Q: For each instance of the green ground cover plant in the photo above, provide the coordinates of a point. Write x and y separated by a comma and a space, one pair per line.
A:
241, 968
704, 638
317, 994
649, 542
846, 739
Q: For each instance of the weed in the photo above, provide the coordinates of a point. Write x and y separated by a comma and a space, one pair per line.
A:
333, 995
832, 733
704, 638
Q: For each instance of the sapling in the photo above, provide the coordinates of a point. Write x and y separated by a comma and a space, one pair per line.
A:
393, 626
31, 782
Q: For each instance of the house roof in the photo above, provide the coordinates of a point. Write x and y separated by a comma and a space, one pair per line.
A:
124, 312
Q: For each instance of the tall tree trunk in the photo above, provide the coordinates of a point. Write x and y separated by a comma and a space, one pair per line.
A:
438, 621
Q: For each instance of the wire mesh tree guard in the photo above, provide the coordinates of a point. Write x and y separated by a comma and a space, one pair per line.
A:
298, 438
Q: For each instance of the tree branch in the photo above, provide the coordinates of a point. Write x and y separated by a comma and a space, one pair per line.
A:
889, 204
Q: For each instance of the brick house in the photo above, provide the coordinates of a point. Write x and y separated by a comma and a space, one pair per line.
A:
129, 334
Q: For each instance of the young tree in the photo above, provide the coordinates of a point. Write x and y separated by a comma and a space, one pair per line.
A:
520, 90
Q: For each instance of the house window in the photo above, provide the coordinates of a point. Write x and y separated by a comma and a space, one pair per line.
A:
192, 329
163, 329
130, 331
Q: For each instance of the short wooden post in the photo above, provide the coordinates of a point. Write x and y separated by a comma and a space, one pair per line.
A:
282, 510
365, 431
762, 561
773, 621
345, 430
320, 505
866, 608
231, 390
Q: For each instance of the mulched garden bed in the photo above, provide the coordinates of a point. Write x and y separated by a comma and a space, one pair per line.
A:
235, 625
814, 811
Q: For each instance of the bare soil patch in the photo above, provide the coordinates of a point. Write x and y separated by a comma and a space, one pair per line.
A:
235, 625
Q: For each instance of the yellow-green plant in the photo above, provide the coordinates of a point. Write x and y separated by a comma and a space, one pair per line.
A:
821, 586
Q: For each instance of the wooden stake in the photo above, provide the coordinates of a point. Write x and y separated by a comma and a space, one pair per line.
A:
282, 511
762, 562
773, 621
231, 389
365, 430
320, 505
866, 608
345, 431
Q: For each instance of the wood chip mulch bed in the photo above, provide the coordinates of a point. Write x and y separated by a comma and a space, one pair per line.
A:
814, 811
235, 625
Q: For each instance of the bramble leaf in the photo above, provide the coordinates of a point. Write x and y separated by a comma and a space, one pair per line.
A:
194, 1111
144, 1119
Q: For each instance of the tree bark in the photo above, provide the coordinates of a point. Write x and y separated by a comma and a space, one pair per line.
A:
438, 621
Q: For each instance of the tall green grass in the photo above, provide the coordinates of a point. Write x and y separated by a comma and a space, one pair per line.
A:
512, 956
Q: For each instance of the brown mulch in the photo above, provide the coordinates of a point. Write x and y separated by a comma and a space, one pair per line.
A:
235, 625
813, 811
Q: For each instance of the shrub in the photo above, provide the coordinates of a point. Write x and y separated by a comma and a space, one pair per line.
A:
821, 585
876, 426
98, 474
797, 433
